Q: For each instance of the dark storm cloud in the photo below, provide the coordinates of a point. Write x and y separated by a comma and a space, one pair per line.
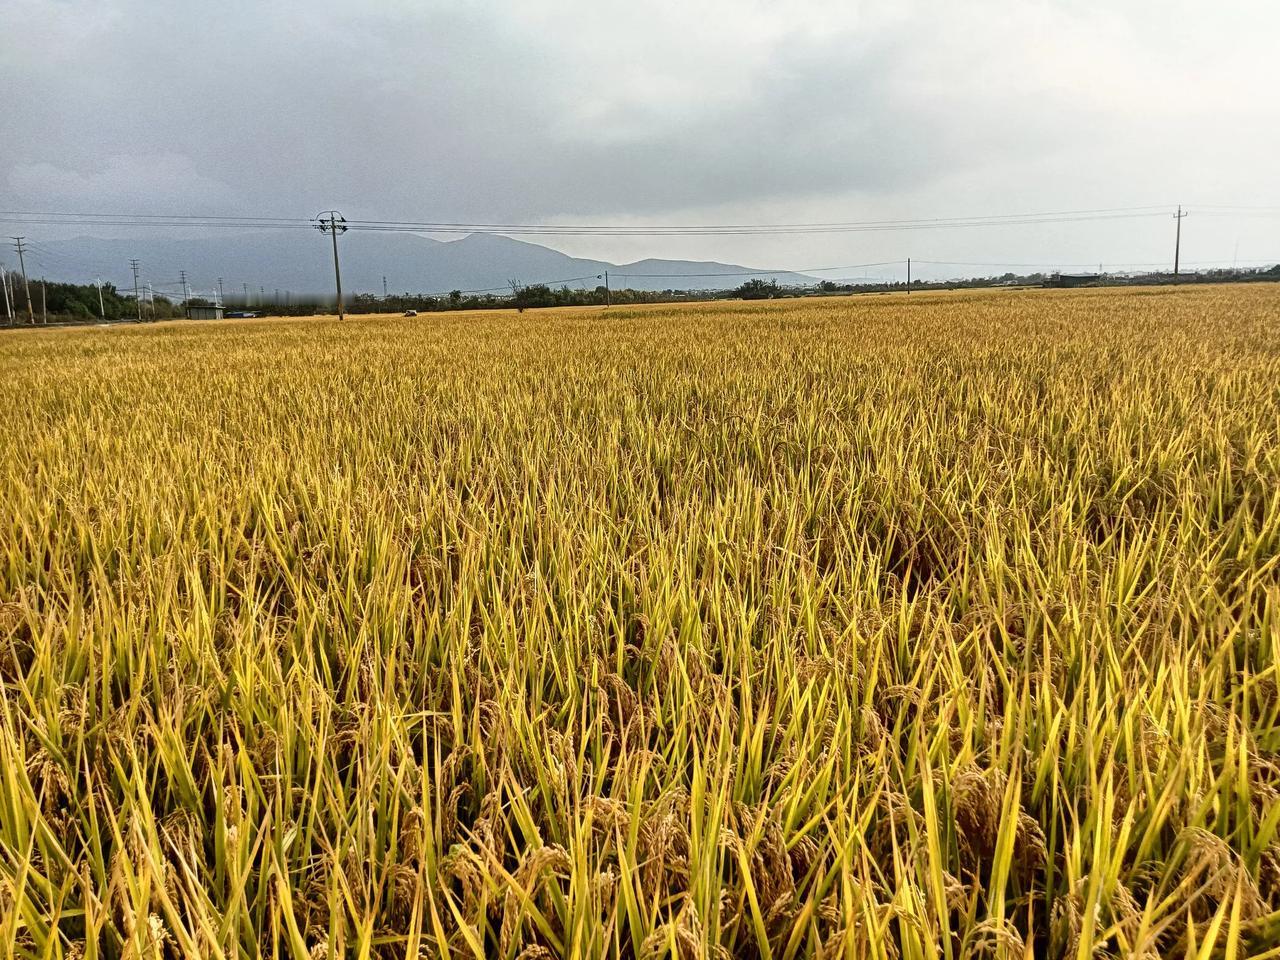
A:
506, 111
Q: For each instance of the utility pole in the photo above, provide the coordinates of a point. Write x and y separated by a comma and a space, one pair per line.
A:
137, 294
26, 286
384, 286
608, 296
908, 274
220, 297
8, 305
151, 300
186, 294
102, 311
1177, 242
44, 303
334, 223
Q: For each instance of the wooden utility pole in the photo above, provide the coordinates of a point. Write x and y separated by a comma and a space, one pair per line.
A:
26, 286
1177, 242
8, 304
334, 223
44, 303
908, 274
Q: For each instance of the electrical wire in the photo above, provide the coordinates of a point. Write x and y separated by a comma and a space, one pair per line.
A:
552, 229
42, 255
528, 229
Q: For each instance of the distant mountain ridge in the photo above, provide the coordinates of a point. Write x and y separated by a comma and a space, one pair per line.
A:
300, 263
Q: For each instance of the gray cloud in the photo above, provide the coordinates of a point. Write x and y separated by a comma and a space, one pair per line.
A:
659, 112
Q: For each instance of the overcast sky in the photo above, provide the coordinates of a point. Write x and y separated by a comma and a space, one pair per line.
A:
686, 112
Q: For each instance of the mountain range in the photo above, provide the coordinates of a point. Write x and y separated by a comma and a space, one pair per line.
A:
300, 264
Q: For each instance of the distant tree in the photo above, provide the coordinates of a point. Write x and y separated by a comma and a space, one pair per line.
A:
534, 295
73, 301
758, 289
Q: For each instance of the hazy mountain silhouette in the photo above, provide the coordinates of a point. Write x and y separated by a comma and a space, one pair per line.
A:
301, 263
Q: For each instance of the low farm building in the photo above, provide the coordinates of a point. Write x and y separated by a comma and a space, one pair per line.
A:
1073, 280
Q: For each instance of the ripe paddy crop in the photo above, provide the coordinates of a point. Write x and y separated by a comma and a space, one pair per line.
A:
900, 627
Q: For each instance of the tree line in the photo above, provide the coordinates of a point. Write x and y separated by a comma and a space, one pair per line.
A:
80, 303
522, 297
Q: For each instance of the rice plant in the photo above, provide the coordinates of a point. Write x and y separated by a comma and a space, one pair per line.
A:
939, 626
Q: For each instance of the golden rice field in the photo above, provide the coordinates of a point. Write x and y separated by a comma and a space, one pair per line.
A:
940, 626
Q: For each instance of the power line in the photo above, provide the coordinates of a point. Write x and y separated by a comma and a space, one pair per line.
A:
64, 261
1237, 214
723, 229
735, 227
1243, 207
552, 229
1090, 263
727, 230
150, 216
1000, 263
309, 220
